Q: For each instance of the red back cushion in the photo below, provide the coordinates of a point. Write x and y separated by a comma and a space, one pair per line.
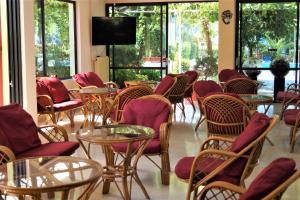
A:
146, 112
57, 89
19, 128
80, 79
202, 88
41, 89
192, 75
270, 178
226, 74
257, 125
93, 79
164, 85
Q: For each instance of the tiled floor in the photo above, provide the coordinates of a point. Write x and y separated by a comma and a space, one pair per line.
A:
185, 141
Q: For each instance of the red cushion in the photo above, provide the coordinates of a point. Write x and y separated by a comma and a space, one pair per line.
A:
19, 128
191, 76
226, 74
74, 103
164, 85
270, 178
41, 89
94, 80
202, 88
183, 169
146, 112
57, 89
290, 116
152, 148
51, 149
288, 95
257, 125
80, 79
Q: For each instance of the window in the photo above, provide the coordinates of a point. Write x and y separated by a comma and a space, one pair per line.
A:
55, 38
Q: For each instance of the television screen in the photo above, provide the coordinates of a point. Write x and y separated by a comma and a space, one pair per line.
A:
113, 30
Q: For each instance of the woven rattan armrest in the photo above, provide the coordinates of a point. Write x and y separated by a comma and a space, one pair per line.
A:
53, 133
111, 84
47, 98
165, 135
216, 140
6, 155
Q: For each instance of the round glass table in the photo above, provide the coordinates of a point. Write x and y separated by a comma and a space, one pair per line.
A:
253, 100
133, 138
35, 176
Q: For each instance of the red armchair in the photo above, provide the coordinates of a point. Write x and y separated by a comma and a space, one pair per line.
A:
192, 77
19, 136
201, 89
288, 97
165, 85
241, 86
228, 74
156, 112
54, 98
226, 159
269, 184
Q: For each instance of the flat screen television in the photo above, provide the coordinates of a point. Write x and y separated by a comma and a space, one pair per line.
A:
113, 30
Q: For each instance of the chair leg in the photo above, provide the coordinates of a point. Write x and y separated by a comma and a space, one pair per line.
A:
70, 114
165, 168
293, 140
199, 122
183, 108
191, 102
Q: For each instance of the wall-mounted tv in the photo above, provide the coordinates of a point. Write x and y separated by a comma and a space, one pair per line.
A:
113, 30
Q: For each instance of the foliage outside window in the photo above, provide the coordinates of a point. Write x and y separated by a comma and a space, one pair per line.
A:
55, 46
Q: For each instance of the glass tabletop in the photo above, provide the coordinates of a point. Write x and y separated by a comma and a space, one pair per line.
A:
256, 98
42, 173
115, 134
93, 90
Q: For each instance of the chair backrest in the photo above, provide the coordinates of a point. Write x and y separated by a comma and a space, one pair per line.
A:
226, 74
56, 89
226, 114
127, 95
241, 86
279, 173
150, 111
192, 77
17, 129
88, 79
165, 85
177, 91
205, 87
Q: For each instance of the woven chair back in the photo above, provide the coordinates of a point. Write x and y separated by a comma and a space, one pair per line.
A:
193, 76
225, 115
241, 86
176, 93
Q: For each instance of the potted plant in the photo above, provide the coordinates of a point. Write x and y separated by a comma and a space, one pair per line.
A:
279, 68
252, 63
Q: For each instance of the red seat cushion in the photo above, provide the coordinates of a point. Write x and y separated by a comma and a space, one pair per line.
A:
57, 89
51, 149
290, 116
164, 85
74, 103
146, 112
270, 178
202, 88
152, 148
289, 95
19, 128
183, 169
257, 125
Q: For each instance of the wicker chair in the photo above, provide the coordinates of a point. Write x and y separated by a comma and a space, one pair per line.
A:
201, 89
241, 86
228, 74
116, 108
192, 78
156, 112
226, 114
270, 184
226, 159
53, 98
288, 97
20, 139
177, 91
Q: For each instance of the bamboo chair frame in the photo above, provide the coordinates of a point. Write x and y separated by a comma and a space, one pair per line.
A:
221, 151
241, 86
227, 191
121, 99
52, 133
215, 122
294, 88
190, 88
164, 138
176, 92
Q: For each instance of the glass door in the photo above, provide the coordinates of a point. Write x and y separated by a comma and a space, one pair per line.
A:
268, 31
